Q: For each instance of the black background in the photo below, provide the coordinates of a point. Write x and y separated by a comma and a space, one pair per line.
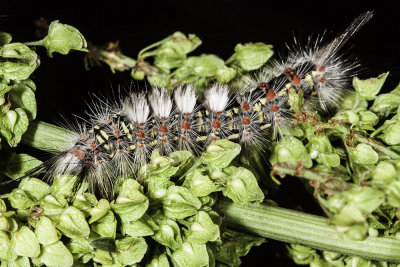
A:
64, 84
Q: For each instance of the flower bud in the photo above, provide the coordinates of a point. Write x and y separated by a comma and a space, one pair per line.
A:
383, 174
203, 229
168, 234
290, 149
180, 202
391, 135
348, 116
368, 118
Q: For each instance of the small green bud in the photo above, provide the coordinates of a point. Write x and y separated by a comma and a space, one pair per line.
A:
301, 254
369, 88
296, 100
321, 143
251, 56
290, 149
368, 118
391, 135
201, 185
383, 174
161, 166
364, 154
19, 199
387, 103
61, 38
5, 38
145, 226
138, 74
106, 226
99, 211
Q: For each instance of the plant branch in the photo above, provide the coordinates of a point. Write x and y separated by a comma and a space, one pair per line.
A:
305, 229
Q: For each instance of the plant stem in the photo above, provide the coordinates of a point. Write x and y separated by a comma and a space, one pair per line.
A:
271, 222
304, 229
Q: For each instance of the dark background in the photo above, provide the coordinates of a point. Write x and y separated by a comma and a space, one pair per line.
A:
64, 84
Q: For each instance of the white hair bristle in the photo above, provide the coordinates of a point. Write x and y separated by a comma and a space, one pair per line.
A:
217, 97
136, 108
160, 102
185, 98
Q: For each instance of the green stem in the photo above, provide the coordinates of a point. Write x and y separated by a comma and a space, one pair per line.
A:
305, 229
34, 43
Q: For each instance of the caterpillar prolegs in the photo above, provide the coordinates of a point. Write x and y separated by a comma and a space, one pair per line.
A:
117, 138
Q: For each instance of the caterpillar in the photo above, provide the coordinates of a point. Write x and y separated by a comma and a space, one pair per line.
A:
118, 137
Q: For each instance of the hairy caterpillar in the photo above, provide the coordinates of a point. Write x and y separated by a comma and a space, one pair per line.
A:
117, 138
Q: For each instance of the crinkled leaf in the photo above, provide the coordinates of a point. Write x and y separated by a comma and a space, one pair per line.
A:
6, 252
157, 186
290, 149
242, 187
23, 61
130, 204
72, 223
180, 202
131, 250
252, 56
56, 255
200, 185
79, 246
363, 154
61, 38
220, 153
23, 97
19, 199
203, 229
145, 226
106, 226
85, 202
235, 245
101, 209
369, 88
45, 231
13, 125
191, 255
168, 234
25, 243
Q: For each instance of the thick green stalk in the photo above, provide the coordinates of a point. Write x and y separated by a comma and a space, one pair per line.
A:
271, 222
305, 229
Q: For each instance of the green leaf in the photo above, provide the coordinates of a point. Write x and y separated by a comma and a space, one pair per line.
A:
161, 166
180, 202
19, 164
369, 88
85, 202
12, 125
101, 209
201, 185
290, 149
363, 154
6, 252
23, 97
350, 222
63, 185
130, 250
145, 226
35, 188
168, 234
251, 56
45, 231
106, 226
104, 243
56, 255
191, 255
158, 261
23, 61
79, 246
25, 243
19, 199
157, 187
383, 174
220, 153
225, 74
392, 192
242, 187
235, 245
61, 38
203, 229
391, 135
72, 223
52, 205
130, 204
